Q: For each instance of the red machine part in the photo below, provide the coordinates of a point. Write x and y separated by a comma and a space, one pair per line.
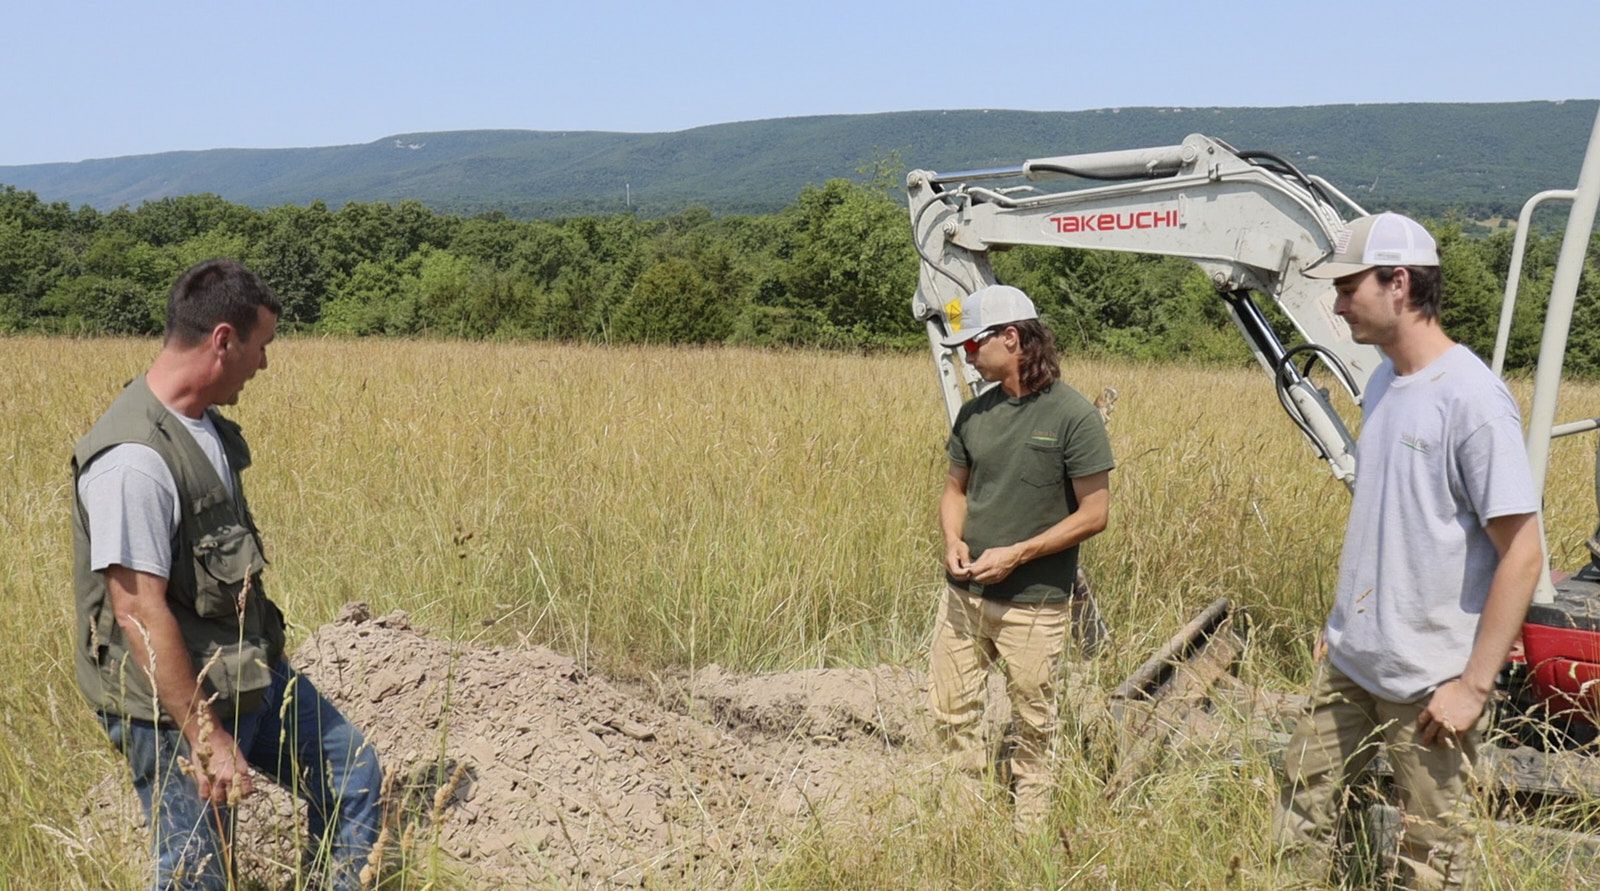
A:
1564, 668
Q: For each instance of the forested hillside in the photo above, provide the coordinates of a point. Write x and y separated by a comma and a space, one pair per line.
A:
835, 268
1480, 159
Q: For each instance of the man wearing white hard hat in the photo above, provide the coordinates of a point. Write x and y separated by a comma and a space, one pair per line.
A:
1029, 481
1441, 554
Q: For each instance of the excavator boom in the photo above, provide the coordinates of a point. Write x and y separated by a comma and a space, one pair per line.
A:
1251, 221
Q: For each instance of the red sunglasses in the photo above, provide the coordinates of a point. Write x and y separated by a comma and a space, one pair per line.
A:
971, 346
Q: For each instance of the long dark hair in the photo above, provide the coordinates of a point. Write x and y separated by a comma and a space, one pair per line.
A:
1039, 365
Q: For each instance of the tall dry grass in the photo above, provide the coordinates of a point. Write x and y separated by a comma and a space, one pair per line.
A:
643, 508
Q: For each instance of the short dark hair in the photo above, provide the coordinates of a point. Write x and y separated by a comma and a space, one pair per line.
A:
1427, 287
214, 292
1040, 364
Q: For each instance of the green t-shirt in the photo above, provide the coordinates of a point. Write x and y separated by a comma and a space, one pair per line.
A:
1022, 455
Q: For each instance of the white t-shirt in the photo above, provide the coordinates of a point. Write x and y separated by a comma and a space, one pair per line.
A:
131, 501
1440, 455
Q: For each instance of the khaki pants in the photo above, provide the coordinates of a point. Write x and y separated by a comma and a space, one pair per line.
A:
971, 634
1331, 749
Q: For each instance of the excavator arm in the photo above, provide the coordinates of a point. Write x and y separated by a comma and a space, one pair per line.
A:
1251, 221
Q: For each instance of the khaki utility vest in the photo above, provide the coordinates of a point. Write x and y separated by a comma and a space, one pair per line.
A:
232, 631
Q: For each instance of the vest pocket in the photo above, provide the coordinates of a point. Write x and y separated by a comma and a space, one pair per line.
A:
103, 631
1041, 466
238, 672
224, 561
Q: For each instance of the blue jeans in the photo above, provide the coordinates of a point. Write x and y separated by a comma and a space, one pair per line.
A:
296, 738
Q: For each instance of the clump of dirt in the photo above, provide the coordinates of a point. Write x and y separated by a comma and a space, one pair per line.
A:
528, 769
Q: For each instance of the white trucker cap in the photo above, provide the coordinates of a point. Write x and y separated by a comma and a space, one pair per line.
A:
983, 309
1381, 239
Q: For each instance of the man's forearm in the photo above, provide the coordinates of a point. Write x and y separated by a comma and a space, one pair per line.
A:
171, 672
1074, 528
952, 515
1510, 592
156, 648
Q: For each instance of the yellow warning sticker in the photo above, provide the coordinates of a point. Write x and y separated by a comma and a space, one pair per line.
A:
952, 314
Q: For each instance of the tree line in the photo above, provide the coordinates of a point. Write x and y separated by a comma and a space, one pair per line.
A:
834, 269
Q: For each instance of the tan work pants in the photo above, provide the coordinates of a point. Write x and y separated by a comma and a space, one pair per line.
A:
1331, 749
971, 634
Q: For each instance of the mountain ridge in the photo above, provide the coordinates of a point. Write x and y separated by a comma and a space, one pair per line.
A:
1483, 158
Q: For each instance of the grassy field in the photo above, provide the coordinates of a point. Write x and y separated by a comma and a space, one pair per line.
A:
641, 509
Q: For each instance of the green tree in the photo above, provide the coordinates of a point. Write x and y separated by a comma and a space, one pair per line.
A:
97, 305
31, 261
460, 297
378, 297
208, 246
170, 221
543, 252
382, 232
1472, 292
671, 302
289, 257
853, 262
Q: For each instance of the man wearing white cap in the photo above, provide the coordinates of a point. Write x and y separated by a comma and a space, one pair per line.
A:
1440, 558
1029, 481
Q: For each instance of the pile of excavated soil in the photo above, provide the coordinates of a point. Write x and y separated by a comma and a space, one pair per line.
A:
548, 772
528, 770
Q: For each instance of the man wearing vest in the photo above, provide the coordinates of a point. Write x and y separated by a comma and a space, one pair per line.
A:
1441, 554
177, 647
1029, 481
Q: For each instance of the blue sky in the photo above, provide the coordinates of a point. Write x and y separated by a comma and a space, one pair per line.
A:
100, 79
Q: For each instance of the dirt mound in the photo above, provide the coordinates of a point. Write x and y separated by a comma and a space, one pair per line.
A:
529, 770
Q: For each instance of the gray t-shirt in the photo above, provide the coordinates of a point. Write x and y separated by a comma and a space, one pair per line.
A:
131, 501
1440, 454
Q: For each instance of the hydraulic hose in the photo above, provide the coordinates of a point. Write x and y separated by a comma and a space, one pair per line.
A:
1285, 376
1279, 165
